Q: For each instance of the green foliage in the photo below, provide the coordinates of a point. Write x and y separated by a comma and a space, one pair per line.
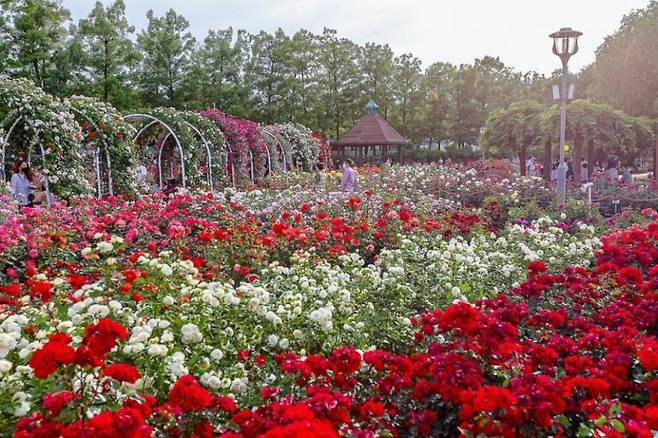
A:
514, 129
41, 129
526, 126
37, 33
109, 54
318, 80
104, 128
166, 47
626, 68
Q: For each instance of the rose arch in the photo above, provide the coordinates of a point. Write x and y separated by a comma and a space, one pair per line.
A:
172, 147
108, 142
41, 129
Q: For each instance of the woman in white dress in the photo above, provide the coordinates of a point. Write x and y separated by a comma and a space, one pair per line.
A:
21, 184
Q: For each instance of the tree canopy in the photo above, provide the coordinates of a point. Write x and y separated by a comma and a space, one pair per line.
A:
319, 80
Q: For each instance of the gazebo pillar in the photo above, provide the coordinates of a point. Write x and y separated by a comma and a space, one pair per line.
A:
400, 153
385, 152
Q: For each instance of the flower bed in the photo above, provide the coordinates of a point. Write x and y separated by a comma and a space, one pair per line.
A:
242, 314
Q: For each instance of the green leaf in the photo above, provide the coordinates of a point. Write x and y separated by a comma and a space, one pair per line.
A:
601, 421
618, 425
584, 431
564, 421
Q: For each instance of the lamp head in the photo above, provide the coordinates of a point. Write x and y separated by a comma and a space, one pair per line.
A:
565, 42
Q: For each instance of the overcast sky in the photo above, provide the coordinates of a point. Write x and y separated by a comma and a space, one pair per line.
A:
454, 31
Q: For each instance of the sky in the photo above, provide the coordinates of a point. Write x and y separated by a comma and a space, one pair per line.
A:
456, 31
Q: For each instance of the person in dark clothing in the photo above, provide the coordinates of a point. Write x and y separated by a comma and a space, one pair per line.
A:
171, 187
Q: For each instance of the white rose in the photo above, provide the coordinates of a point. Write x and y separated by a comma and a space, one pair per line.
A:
166, 270
5, 366
217, 354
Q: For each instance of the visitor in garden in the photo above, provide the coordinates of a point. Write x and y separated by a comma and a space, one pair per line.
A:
554, 173
39, 184
171, 187
611, 172
140, 173
628, 176
569, 169
319, 178
530, 165
348, 182
21, 184
584, 169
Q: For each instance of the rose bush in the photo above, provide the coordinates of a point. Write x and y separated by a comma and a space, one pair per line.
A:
275, 314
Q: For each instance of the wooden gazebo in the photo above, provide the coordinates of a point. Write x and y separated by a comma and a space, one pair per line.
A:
371, 131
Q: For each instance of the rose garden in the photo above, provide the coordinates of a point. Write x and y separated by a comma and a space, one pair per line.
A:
191, 273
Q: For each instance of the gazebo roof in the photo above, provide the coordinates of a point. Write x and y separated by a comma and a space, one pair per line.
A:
371, 130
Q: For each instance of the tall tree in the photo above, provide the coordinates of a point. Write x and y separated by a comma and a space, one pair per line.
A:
38, 33
304, 67
5, 35
479, 89
376, 63
219, 64
514, 129
626, 67
406, 86
66, 76
270, 73
438, 102
166, 47
339, 81
109, 54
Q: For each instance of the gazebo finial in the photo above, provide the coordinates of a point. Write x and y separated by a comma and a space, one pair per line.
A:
371, 106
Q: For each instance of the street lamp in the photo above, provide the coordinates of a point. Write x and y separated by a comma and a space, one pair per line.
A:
565, 45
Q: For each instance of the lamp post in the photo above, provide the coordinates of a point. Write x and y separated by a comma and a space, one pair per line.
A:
565, 45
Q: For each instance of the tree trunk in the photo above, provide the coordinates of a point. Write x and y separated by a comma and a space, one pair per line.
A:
37, 74
590, 159
522, 160
577, 162
548, 161
106, 72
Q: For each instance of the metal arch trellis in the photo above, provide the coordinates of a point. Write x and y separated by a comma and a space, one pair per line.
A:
281, 148
206, 143
170, 131
5, 141
97, 154
229, 162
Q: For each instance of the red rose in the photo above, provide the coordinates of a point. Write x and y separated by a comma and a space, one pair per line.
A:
54, 353
121, 372
187, 394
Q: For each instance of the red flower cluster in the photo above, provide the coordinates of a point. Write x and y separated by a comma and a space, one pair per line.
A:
54, 353
121, 372
188, 395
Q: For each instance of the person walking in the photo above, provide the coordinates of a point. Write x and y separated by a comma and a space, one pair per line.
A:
349, 181
611, 172
319, 178
584, 171
21, 184
628, 176
530, 165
